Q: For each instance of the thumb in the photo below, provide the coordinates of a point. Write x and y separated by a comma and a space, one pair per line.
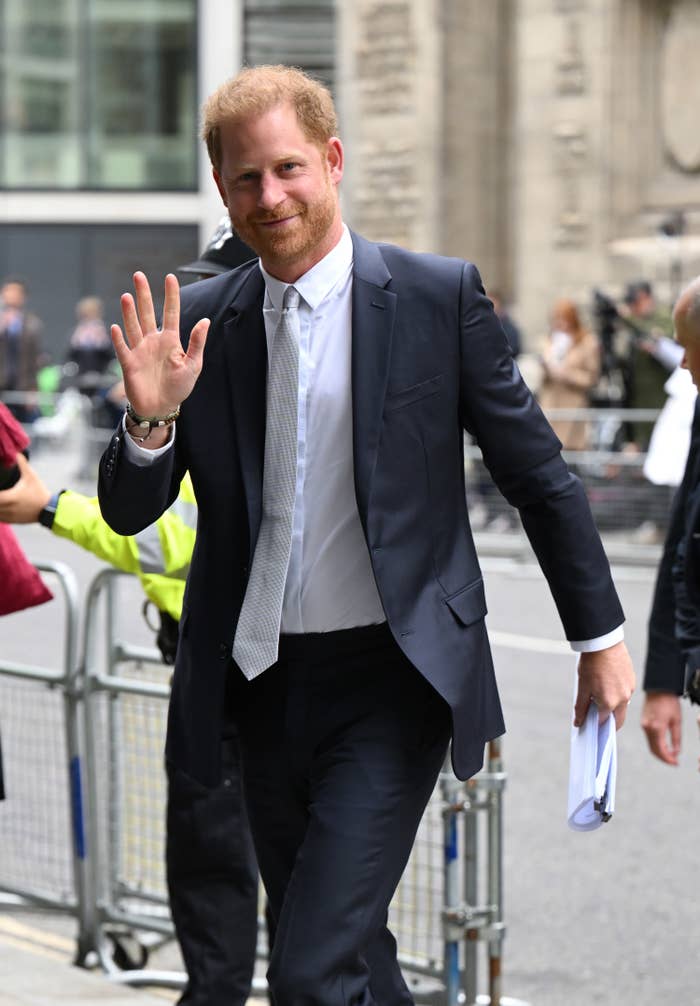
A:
198, 338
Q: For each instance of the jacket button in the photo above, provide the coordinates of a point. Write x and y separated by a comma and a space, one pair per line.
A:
224, 651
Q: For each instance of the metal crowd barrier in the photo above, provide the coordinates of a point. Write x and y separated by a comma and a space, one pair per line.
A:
625, 505
440, 916
43, 857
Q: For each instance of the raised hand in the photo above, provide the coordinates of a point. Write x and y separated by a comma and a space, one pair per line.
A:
158, 373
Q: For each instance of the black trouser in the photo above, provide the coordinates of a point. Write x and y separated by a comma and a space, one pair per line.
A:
342, 741
213, 883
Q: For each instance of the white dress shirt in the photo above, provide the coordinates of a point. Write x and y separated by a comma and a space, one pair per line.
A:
330, 584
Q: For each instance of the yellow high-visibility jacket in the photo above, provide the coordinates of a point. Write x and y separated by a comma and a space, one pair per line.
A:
159, 555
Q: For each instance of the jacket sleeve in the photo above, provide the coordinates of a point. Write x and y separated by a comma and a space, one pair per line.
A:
523, 456
663, 668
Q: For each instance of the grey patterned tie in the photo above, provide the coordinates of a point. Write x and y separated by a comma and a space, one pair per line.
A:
257, 634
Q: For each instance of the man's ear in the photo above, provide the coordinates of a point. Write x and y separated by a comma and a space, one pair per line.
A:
222, 192
335, 158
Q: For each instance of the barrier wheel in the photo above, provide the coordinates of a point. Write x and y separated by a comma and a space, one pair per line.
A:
127, 953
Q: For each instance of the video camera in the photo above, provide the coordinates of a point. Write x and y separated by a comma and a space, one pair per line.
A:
616, 363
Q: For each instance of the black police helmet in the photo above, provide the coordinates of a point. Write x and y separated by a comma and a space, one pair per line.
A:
225, 251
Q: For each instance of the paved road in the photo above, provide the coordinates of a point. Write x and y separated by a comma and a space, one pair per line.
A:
609, 917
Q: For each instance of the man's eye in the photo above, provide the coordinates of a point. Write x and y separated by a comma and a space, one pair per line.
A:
289, 165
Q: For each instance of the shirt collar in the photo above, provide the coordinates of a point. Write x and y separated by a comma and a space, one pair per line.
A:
316, 284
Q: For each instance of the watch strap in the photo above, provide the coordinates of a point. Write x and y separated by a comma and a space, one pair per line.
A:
48, 514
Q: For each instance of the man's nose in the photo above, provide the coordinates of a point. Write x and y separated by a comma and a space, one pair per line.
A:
271, 192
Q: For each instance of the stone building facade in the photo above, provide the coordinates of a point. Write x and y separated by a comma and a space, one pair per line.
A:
550, 141
531, 136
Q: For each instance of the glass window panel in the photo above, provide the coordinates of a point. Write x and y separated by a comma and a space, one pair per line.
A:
39, 93
98, 94
142, 49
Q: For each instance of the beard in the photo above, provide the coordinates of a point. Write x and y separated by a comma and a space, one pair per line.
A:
312, 222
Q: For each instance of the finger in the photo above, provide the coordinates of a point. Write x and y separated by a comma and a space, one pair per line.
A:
171, 307
144, 303
656, 739
198, 338
661, 750
119, 342
583, 701
676, 737
620, 714
132, 327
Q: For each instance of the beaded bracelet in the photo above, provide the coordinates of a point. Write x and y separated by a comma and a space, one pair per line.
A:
149, 423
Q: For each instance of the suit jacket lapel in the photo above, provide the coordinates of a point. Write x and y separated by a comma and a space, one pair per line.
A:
373, 312
246, 354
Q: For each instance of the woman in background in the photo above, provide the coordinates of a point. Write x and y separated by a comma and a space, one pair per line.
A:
571, 369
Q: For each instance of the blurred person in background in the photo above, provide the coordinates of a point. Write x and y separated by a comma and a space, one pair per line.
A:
211, 869
347, 701
651, 354
20, 347
673, 652
89, 344
570, 370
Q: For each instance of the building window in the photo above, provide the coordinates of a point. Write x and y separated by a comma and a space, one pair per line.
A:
293, 33
98, 94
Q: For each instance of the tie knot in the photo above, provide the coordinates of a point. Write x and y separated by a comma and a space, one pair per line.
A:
290, 301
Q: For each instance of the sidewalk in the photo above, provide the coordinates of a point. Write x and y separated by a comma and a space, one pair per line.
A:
44, 978
36, 970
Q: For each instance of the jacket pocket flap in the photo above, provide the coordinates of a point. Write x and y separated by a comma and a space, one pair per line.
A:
468, 604
414, 393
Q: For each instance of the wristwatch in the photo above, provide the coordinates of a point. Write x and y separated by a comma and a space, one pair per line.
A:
48, 514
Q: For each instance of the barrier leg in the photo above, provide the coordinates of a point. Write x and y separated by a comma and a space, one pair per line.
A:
495, 873
471, 897
451, 977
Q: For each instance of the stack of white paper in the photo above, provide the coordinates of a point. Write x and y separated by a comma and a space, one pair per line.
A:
592, 772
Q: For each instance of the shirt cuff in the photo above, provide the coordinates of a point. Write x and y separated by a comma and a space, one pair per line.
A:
141, 456
599, 643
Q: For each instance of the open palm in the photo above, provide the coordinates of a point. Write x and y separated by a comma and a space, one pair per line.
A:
158, 373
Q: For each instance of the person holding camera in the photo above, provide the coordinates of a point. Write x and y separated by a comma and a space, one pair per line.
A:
673, 654
651, 353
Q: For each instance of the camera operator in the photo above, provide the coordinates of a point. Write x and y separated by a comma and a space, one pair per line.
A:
652, 353
639, 353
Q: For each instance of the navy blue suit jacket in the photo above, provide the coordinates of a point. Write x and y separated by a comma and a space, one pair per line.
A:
429, 360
